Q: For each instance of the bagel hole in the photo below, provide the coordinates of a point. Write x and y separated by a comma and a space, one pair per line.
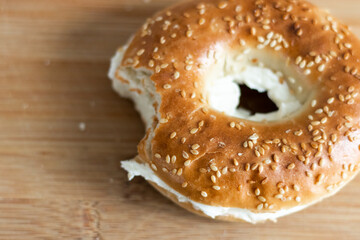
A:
255, 85
255, 101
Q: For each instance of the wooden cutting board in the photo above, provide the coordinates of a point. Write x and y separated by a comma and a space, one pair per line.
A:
63, 132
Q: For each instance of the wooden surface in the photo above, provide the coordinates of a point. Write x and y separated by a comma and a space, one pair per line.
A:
61, 181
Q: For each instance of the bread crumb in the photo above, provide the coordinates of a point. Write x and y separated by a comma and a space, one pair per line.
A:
82, 126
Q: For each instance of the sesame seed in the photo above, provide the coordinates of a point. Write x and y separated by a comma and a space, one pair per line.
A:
273, 43
167, 86
164, 65
173, 159
173, 135
184, 185
236, 163
254, 166
253, 31
163, 120
315, 123
254, 137
298, 133
323, 120
261, 39
257, 192
260, 206
270, 35
348, 45
194, 130
296, 188
302, 63
195, 146
320, 178
140, 52
261, 168
264, 181
176, 75
313, 103
247, 165
204, 194
179, 172
310, 64
194, 152
157, 155
299, 32
351, 167
185, 155
202, 170
222, 5
319, 111
167, 159
187, 163
298, 60
162, 40
262, 199
153, 166
267, 161
151, 63
347, 69
189, 33
232, 124
330, 149
330, 100
217, 188
213, 178
354, 71
201, 21
279, 196
214, 168
291, 166
277, 48
321, 68
298, 199
301, 158
317, 138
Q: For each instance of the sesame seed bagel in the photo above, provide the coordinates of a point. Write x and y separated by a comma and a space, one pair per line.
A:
238, 168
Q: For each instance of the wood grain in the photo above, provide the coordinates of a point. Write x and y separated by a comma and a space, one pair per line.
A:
59, 182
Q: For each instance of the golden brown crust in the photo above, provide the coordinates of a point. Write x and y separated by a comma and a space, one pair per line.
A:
282, 164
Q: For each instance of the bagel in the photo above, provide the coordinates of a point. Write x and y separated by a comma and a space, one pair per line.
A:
182, 69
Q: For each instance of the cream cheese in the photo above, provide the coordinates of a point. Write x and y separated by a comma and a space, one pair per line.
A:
138, 169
